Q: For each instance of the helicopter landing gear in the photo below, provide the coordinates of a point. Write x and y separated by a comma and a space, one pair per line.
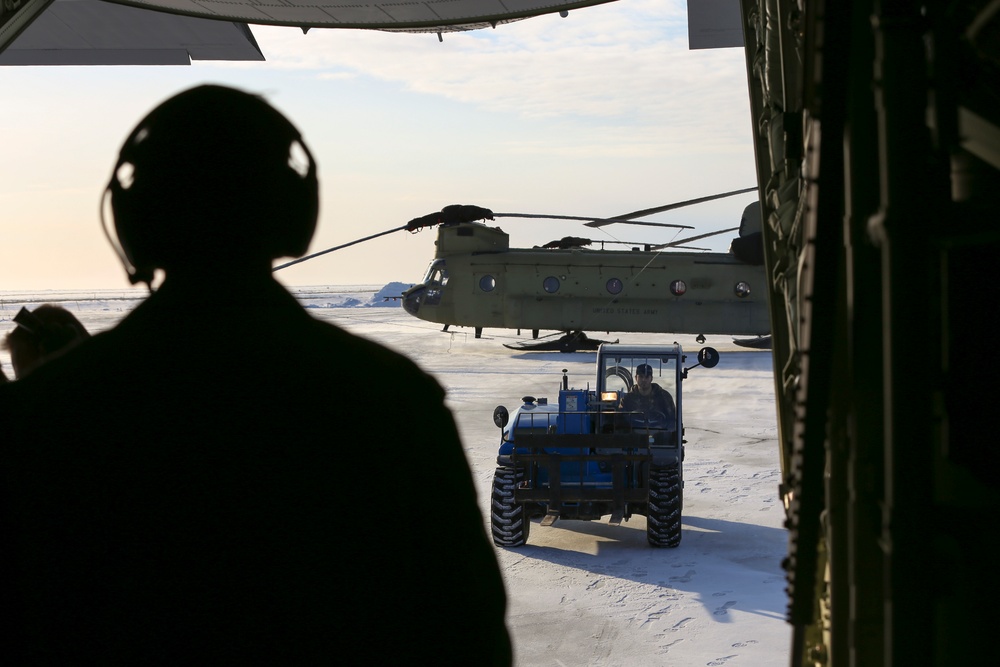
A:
758, 343
570, 341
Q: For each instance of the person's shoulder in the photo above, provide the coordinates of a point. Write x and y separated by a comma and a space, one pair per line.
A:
340, 338
375, 357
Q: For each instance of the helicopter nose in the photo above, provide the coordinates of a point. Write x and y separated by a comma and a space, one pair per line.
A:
411, 299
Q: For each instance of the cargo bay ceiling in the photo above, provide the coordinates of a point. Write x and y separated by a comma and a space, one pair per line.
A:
395, 15
175, 32
172, 32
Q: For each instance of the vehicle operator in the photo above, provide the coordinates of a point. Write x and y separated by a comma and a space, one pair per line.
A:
649, 398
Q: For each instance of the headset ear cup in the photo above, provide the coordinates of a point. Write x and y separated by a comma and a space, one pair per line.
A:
291, 200
120, 215
213, 172
298, 213
125, 216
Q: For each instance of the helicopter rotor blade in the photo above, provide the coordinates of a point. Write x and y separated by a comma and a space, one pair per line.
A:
645, 224
631, 243
678, 242
343, 245
568, 242
451, 214
590, 218
458, 212
669, 207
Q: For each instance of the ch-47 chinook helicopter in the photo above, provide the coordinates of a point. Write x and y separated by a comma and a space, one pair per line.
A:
477, 280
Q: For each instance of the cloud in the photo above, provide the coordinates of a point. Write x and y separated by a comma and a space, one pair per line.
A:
600, 113
619, 62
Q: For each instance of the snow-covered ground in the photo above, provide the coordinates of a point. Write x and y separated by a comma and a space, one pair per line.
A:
588, 593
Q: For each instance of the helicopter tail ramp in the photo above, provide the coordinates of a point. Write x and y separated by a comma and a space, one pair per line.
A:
877, 139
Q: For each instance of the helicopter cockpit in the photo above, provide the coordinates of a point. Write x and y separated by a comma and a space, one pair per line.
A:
437, 273
429, 291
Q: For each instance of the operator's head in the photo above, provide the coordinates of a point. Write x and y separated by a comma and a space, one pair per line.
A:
644, 378
212, 175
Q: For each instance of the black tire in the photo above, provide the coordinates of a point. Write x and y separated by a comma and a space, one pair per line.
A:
508, 520
663, 519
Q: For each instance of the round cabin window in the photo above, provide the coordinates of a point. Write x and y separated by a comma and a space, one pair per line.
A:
551, 284
487, 283
678, 287
614, 286
742, 289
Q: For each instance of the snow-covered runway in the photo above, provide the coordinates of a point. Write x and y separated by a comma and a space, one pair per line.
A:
588, 593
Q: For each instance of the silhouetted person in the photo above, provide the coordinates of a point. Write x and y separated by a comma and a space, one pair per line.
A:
749, 245
40, 334
205, 482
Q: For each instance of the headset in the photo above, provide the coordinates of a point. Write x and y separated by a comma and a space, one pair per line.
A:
211, 172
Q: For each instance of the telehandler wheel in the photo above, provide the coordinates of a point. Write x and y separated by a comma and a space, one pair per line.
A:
663, 520
508, 520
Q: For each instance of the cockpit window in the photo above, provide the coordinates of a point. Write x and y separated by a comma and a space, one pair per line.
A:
437, 272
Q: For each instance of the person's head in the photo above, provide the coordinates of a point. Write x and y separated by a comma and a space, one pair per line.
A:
644, 376
212, 177
750, 222
39, 334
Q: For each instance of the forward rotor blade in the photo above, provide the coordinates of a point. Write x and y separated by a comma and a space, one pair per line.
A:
669, 207
678, 242
452, 214
606, 221
344, 245
622, 221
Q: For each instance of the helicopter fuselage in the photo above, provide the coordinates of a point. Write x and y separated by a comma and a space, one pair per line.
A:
476, 280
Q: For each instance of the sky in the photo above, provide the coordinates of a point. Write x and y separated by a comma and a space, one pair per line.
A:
600, 113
